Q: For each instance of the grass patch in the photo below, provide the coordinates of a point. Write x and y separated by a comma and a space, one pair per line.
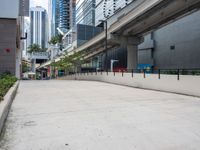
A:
6, 82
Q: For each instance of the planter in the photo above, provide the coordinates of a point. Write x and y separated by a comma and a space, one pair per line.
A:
6, 104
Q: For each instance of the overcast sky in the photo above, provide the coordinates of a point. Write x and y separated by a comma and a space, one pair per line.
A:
43, 3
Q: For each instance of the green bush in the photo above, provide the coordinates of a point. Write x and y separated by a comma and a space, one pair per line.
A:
6, 82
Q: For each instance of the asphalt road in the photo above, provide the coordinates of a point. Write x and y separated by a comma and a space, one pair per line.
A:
82, 115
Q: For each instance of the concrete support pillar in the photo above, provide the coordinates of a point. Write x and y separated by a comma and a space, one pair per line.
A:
131, 43
132, 56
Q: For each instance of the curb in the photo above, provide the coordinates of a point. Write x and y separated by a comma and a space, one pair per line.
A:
6, 104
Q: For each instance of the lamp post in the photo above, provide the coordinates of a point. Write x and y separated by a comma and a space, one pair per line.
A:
106, 42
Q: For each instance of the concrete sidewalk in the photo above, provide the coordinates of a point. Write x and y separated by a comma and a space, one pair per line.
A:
82, 115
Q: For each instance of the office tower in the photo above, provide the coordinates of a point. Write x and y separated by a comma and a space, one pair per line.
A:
38, 26
64, 15
85, 12
106, 8
53, 13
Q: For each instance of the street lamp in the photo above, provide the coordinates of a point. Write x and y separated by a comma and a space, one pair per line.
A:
106, 42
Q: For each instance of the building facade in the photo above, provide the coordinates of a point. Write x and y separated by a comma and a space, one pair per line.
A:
174, 46
53, 16
38, 26
85, 12
106, 8
64, 15
12, 35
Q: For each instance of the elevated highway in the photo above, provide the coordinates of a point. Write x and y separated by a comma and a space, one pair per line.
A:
127, 26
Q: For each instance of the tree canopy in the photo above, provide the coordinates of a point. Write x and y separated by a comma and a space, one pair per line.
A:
69, 61
56, 39
35, 48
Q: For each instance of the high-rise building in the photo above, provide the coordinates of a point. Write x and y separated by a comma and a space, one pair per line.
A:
64, 15
12, 34
38, 26
85, 12
53, 14
73, 13
106, 8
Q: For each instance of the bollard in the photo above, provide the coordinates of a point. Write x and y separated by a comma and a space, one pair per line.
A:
132, 73
158, 73
178, 74
144, 73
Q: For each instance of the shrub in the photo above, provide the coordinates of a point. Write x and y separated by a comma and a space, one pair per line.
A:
6, 82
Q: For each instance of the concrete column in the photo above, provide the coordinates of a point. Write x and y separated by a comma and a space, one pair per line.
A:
132, 56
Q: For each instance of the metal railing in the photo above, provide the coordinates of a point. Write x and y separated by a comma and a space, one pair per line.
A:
144, 72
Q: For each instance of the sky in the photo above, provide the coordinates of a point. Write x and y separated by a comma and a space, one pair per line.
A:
43, 3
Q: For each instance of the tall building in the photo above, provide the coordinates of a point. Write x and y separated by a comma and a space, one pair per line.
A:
53, 14
64, 15
85, 12
73, 13
12, 34
38, 26
106, 8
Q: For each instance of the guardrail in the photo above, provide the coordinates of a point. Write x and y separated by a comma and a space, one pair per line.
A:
143, 72
182, 81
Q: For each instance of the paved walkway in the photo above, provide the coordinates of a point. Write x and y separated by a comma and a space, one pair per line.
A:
81, 115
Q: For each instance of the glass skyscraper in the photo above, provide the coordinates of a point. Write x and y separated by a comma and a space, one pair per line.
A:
106, 8
64, 15
54, 17
85, 12
38, 25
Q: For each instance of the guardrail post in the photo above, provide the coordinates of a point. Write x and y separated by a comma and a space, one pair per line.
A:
107, 72
158, 73
96, 72
178, 74
144, 73
122, 73
101, 72
114, 73
132, 73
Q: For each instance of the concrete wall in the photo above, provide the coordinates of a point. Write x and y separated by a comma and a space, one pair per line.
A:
9, 8
175, 45
8, 34
187, 84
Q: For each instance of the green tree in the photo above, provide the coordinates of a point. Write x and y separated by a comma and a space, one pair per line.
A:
70, 62
34, 48
56, 39
25, 67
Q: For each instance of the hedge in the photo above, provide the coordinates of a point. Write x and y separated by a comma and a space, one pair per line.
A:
6, 82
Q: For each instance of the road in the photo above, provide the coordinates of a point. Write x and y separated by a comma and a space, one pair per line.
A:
83, 115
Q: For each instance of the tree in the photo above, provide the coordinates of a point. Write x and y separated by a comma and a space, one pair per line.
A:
25, 67
56, 39
34, 48
70, 62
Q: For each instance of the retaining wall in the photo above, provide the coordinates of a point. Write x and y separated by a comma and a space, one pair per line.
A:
6, 104
187, 84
